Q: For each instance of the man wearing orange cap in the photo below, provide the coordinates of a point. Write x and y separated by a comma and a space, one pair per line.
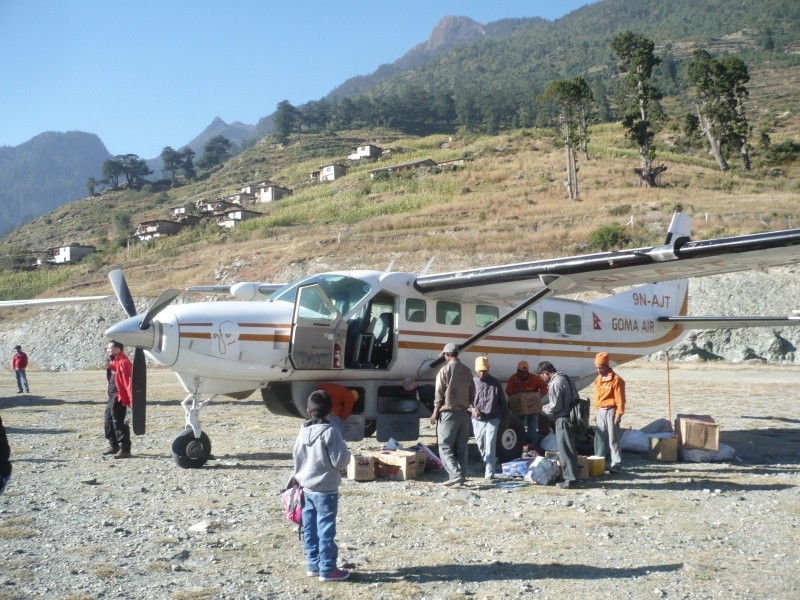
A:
609, 399
489, 409
524, 381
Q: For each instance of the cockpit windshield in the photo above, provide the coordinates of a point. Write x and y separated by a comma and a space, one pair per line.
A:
344, 291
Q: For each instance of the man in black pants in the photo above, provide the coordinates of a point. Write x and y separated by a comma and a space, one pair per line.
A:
119, 375
560, 394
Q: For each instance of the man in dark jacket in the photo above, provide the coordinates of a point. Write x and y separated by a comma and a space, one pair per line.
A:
488, 412
560, 394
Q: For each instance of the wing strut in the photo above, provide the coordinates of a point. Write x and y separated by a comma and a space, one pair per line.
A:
552, 284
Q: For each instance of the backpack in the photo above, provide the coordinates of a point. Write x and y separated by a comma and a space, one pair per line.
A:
293, 502
578, 414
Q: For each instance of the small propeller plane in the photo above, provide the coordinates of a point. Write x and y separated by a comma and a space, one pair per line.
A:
374, 332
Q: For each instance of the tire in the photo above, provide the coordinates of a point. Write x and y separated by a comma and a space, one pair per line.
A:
189, 452
370, 427
511, 439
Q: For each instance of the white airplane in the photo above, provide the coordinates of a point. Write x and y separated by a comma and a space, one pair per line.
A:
371, 331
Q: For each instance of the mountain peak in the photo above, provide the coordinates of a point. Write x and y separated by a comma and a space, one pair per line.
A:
451, 31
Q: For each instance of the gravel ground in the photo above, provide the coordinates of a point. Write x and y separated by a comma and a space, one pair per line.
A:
75, 525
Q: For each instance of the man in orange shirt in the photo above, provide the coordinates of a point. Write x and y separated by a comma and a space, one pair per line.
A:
609, 399
343, 400
525, 381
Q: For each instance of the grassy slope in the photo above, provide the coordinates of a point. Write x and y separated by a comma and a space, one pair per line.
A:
507, 203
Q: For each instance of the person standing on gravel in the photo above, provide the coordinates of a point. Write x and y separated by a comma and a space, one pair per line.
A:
454, 394
319, 454
525, 382
609, 399
19, 362
490, 409
560, 394
119, 374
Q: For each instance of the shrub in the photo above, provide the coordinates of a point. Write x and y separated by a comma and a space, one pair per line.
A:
610, 237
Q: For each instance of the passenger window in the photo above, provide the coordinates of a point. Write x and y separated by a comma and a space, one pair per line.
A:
486, 314
572, 324
448, 313
526, 321
551, 322
415, 310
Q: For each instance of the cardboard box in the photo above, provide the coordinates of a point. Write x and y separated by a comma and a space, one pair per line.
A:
663, 449
698, 432
525, 403
597, 466
516, 468
583, 467
361, 467
397, 465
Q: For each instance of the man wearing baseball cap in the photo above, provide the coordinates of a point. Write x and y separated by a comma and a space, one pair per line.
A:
489, 410
609, 399
455, 393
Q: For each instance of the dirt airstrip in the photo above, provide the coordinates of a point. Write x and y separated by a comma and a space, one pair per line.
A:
75, 525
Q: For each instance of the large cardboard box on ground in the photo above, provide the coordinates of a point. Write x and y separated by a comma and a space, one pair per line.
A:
525, 403
361, 467
697, 432
397, 465
663, 449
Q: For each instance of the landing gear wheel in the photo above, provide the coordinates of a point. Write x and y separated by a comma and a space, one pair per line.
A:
510, 440
369, 428
189, 452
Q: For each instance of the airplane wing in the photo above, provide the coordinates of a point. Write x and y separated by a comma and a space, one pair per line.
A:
244, 290
605, 271
732, 322
52, 301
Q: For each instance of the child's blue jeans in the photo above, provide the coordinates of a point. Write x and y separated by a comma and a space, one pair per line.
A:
319, 531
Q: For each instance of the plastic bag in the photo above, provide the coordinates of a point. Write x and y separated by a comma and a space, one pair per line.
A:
432, 462
634, 440
549, 442
542, 471
724, 454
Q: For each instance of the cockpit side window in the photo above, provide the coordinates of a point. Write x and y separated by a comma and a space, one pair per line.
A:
345, 292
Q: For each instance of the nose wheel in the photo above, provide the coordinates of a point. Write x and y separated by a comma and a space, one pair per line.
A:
190, 452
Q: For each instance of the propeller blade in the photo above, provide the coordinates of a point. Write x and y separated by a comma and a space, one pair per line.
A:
139, 408
163, 300
122, 292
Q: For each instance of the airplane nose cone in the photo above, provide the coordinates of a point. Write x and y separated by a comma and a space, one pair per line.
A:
128, 333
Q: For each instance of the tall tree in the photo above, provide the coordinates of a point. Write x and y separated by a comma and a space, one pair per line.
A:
570, 99
216, 151
642, 109
719, 104
285, 120
135, 170
187, 163
171, 160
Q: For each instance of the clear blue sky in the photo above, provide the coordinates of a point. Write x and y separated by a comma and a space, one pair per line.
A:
152, 73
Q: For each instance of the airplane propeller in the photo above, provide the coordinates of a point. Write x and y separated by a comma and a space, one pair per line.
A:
123, 294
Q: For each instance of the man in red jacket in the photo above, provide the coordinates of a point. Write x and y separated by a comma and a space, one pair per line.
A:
119, 374
19, 363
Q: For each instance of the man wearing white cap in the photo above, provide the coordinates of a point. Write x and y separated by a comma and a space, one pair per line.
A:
455, 393
488, 411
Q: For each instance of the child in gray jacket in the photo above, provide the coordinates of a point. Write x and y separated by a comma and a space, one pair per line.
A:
319, 456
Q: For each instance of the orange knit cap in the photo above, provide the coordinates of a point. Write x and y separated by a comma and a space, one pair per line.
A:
601, 359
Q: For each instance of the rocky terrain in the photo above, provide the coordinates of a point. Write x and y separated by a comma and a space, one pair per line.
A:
78, 526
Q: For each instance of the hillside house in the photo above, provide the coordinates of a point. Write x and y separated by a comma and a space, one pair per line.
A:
365, 151
208, 207
328, 172
240, 198
70, 253
270, 191
411, 166
177, 211
148, 230
230, 217
252, 188
188, 219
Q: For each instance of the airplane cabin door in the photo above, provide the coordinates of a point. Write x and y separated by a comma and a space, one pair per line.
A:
319, 331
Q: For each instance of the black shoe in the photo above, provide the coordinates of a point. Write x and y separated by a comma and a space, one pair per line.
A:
123, 454
615, 469
19, 392
110, 451
567, 485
